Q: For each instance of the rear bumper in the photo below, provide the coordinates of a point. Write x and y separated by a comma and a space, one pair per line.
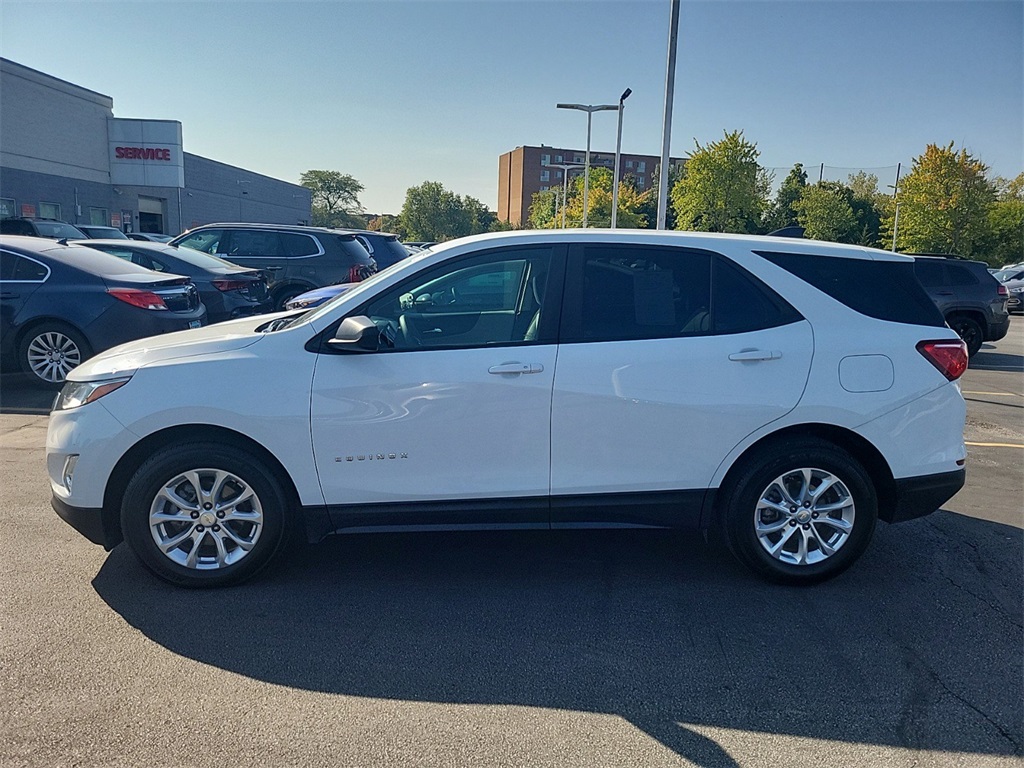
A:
91, 523
920, 496
998, 328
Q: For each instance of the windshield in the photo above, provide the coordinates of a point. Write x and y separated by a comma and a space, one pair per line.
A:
58, 229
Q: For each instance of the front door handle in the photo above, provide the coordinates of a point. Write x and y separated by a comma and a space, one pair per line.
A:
753, 355
516, 368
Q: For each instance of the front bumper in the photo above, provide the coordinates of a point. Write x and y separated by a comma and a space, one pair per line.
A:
920, 496
91, 523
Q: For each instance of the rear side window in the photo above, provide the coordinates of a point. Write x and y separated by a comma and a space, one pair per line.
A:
961, 275
885, 290
14, 267
932, 274
293, 244
251, 242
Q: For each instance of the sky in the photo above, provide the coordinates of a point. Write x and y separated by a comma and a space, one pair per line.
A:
398, 92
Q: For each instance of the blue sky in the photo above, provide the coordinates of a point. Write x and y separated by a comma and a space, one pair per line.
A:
397, 93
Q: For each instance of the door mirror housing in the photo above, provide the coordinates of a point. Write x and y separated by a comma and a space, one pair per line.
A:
356, 334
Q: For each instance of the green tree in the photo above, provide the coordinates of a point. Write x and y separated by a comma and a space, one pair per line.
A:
943, 204
546, 208
723, 188
1006, 223
387, 223
825, 212
432, 212
335, 198
782, 212
868, 204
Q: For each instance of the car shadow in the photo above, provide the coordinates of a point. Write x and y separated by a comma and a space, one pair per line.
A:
996, 361
18, 395
656, 627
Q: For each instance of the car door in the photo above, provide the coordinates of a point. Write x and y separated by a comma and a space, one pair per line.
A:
669, 358
447, 424
20, 277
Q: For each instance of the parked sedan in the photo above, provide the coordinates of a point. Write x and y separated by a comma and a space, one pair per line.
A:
96, 232
152, 237
60, 304
226, 289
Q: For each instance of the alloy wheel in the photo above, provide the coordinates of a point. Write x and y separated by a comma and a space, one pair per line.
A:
52, 355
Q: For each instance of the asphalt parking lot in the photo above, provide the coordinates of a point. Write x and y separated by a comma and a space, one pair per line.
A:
525, 649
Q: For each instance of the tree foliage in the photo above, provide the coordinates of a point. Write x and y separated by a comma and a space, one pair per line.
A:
723, 188
825, 212
434, 213
546, 208
943, 204
782, 212
1006, 223
335, 198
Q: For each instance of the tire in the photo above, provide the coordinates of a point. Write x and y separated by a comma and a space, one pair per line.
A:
48, 352
210, 538
775, 479
969, 330
284, 295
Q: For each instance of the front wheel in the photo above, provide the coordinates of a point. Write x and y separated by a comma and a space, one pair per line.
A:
204, 514
800, 512
49, 352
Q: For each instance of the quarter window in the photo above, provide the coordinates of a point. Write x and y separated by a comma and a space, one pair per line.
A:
18, 268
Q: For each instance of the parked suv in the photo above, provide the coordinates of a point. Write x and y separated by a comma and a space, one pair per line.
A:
55, 229
549, 379
295, 259
385, 248
971, 300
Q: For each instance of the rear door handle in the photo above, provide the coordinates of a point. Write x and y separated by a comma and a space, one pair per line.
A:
752, 355
8, 295
516, 368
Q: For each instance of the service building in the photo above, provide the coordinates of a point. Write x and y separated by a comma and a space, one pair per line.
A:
63, 155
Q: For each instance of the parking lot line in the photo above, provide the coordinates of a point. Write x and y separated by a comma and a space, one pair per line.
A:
996, 394
995, 445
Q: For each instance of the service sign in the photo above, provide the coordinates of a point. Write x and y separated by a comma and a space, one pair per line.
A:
146, 153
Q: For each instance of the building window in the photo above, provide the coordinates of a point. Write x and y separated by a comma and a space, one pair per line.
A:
49, 210
641, 166
640, 181
577, 158
544, 189
558, 175
629, 163
6, 208
558, 158
545, 175
545, 159
98, 216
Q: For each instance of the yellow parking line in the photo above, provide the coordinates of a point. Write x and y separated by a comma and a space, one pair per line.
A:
997, 394
995, 445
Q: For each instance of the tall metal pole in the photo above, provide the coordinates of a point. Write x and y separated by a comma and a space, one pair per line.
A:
895, 196
565, 186
618, 152
666, 130
586, 170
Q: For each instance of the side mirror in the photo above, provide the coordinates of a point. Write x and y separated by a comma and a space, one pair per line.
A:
356, 334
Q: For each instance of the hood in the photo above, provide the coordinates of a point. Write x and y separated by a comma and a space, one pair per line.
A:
127, 358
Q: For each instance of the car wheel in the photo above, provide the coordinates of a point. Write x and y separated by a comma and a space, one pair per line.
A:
800, 512
49, 352
204, 514
285, 295
970, 331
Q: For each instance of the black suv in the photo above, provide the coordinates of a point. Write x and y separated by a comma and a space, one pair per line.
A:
972, 301
384, 247
295, 259
36, 227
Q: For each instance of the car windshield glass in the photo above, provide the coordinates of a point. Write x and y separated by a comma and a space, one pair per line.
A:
58, 229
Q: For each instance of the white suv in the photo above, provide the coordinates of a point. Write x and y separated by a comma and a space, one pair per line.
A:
790, 392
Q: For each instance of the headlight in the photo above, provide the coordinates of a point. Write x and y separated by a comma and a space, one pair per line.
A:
299, 303
76, 393
1017, 290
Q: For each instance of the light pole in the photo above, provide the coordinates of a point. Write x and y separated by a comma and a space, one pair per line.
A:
618, 151
666, 129
590, 109
896, 198
565, 186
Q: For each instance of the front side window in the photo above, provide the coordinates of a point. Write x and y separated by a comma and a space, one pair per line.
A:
206, 240
484, 300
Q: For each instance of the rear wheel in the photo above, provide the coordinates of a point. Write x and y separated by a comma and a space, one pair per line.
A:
204, 514
970, 331
800, 512
284, 295
49, 352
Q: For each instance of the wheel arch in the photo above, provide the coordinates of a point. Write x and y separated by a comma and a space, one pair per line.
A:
30, 325
858, 447
147, 446
974, 314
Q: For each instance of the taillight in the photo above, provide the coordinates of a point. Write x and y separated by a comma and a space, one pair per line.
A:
1001, 290
230, 285
356, 273
948, 356
138, 298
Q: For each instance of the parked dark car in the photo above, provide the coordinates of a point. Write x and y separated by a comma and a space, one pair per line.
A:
152, 237
296, 259
385, 248
226, 289
972, 301
94, 231
54, 229
60, 304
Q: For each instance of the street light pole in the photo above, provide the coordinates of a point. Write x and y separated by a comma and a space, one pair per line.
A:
895, 196
565, 186
590, 109
618, 151
666, 129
